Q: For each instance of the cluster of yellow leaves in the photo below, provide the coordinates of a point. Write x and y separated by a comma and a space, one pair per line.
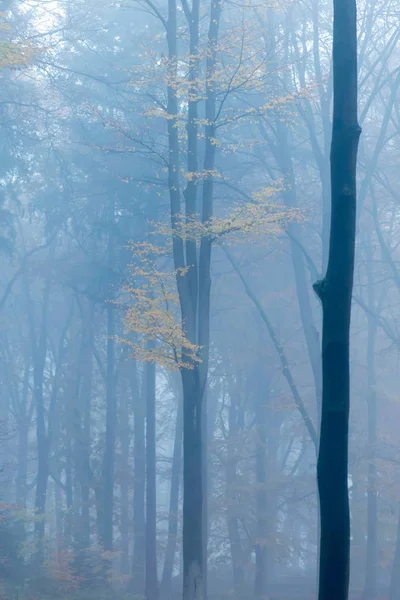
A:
14, 54
255, 220
153, 312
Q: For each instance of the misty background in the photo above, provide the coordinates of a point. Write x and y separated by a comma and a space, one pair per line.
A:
90, 328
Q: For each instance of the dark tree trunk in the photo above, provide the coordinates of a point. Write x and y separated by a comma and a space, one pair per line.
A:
173, 504
192, 487
151, 484
335, 293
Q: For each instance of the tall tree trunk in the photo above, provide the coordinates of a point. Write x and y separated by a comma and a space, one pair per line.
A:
69, 492
59, 521
235, 542
124, 436
111, 418
86, 401
206, 485
151, 484
335, 293
372, 500
39, 351
139, 486
261, 542
192, 487
23, 446
173, 503
194, 297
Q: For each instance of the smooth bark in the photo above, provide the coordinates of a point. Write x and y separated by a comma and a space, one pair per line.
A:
139, 485
173, 504
151, 584
335, 293
111, 416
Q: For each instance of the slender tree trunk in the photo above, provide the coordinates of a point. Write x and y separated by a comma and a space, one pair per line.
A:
173, 504
124, 435
192, 487
22, 466
206, 486
235, 542
261, 543
39, 351
335, 293
111, 419
69, 492
59, 521
151, 484
371, 567
23, 434
357, 516
139, 487
86, 400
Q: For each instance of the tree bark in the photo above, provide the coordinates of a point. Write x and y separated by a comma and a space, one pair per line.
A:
124, 436
86, 399
261, 545
194, 294
371, 566
39, 351
235, 542
151, 484
173, 504
335, 293
139, 487
111, 421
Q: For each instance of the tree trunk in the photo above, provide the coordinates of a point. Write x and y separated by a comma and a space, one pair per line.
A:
235, 542
151, 484
86, 401
192, 486
139, 487
261, 543
372, 500
173, 504
39, 351
335, 292
194, 293
111, 420
124, 436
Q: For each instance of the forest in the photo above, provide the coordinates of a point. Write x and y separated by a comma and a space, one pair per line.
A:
199, 295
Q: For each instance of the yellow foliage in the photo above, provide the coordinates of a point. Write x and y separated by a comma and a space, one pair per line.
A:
14, 54
153, 312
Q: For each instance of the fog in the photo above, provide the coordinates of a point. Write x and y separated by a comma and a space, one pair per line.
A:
165, 203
